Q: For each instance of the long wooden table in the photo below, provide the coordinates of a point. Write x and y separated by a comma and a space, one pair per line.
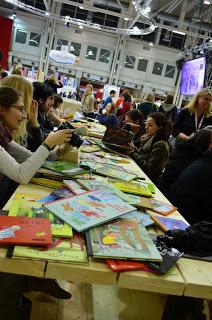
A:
189, 277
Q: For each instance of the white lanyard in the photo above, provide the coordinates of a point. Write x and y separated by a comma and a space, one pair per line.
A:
198, 126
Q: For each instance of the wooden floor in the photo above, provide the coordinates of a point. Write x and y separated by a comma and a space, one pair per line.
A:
97, 302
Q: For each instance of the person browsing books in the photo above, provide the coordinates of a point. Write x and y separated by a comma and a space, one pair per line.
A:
155, 149
134, 122
18, 165
108, 117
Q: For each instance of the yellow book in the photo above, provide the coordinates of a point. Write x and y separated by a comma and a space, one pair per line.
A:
47, 183
133, 187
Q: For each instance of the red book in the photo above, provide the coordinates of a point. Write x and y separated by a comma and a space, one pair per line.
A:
25, 231
126, 265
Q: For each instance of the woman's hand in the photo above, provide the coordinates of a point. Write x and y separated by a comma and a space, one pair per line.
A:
58, 137
33, 116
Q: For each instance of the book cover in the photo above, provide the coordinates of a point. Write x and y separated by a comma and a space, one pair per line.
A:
61, 250
103, 185
25, 208
134, 188
64, 167
47, 183
89, 209
161, 207
126, 265
121, 239
74, 187
118, 137
170, 223
25, 231
169, 255
140, 216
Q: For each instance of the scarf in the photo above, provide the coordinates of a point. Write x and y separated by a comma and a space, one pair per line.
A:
5, 139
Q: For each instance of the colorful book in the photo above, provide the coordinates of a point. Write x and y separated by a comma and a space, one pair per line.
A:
140, 216
170, 257
170, 223
62, 250
102, 185
89, 209
25, 208
126, 265
139, 201
134, 188
64, 167
161, 207
47, 183
74, 187
121, 239
25, 231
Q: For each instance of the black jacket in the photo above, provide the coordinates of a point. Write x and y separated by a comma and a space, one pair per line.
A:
193, 189
185, 123
181, 157
46, 125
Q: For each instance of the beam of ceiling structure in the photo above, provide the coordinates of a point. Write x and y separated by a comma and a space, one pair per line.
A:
120, 5
46, 5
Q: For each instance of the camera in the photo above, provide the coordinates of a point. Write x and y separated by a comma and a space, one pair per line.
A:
75, 141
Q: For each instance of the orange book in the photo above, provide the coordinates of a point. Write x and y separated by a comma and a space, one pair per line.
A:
25, 231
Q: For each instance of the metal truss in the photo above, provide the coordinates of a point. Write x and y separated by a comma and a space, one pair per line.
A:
138, 5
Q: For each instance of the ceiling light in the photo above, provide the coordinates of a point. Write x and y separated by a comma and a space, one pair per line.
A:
151, 44
126, 19
207, 2
90, 53
147, 9
81, 27
47, 13
81, 7
179, 32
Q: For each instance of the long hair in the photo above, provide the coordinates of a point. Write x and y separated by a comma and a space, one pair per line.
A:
165, 126
53, 78
26, 89
194, 102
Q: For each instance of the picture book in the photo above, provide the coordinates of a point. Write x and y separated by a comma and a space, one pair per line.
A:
161, 207
127, 265
121, 239
25, 208
27, 196
140, 216
134, 188
61, 250
170, 223
89, 209
62, 192
169, 255
86, 148
103, 185
49, 174
47, 183
25, 231
64, 167
74, 186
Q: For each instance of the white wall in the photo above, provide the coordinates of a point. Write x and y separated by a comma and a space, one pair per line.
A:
95, 68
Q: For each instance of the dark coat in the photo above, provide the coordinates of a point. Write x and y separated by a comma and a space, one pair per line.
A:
46, 125
181, 157
152, 157
185, 123
146, 108
110, 121
193, 189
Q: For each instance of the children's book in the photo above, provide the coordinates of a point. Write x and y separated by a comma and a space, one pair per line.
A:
126, 265
134, 188
62, 192
64, 167
85, 148
25, 208
161, 207
74, 187
61, 250
140, 216
103, 185
121, 239
170, 223
169, 255
47, 183
25, 231
89, 209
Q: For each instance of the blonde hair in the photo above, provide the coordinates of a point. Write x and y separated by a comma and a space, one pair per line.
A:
149, 97
89, 85
194, 102
53, 78
26, 89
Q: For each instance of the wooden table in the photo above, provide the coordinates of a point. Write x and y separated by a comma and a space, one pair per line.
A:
189, 277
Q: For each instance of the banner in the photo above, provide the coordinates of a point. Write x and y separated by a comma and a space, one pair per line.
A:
5, 36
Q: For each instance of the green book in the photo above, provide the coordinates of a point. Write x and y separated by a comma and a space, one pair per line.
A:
32, 209
61, 250
122, 239
64, 167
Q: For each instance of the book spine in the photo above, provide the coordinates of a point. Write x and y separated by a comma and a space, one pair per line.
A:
88, 244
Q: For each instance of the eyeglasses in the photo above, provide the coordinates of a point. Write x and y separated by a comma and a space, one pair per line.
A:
20, 108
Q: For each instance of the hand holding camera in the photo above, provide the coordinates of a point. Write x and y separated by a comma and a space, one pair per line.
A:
59, 137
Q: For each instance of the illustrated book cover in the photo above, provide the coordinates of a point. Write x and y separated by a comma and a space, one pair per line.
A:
121, 239
89, 209
170, 257
162, 208
25, 231
170, 223
25, 208
74, 187
140, 216
134, 188
61, 250
64, 167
